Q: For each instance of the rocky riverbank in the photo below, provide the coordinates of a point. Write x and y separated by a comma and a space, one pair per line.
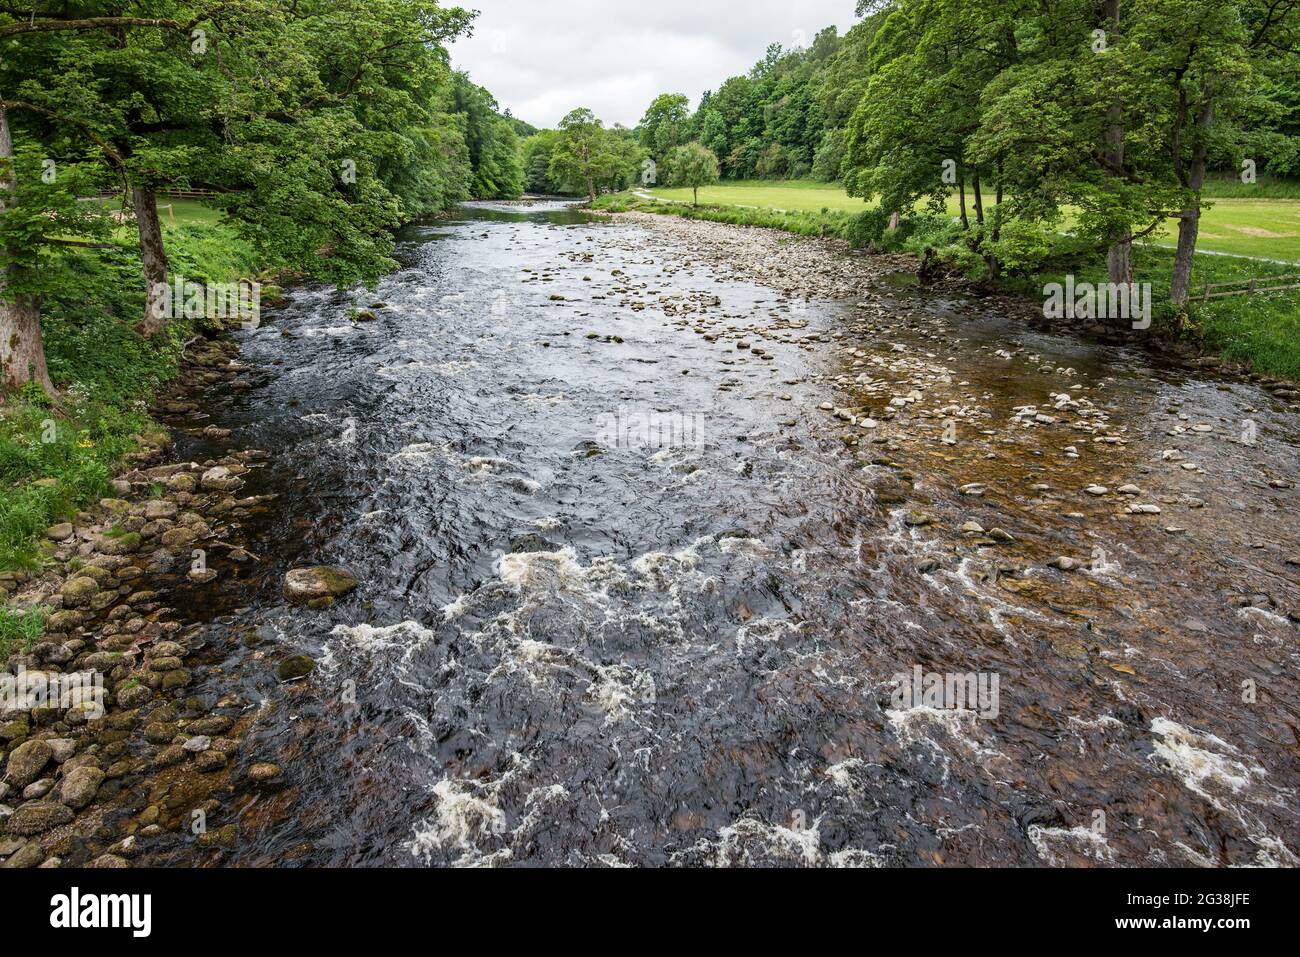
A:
102, 742
801, 266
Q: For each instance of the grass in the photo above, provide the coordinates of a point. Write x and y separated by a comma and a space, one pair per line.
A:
177, 212
1238, 222
19, 628
1262, 329
805, 223
57, 458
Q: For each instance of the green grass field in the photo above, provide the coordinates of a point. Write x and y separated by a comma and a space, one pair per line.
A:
1262, 228
180, 212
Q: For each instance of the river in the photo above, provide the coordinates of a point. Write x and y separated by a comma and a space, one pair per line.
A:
631, 596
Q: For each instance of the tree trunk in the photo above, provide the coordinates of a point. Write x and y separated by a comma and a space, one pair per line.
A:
697, 196
1189, 222
961, 189
153, 257
22, 349
1119, 258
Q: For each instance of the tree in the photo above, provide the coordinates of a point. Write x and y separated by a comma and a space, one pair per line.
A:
1211, 60
585, 152
663, 125
39, 214
22, 350
494, 151
322, 125
692, 165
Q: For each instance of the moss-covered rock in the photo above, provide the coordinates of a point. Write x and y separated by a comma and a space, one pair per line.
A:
305, 585
297, 666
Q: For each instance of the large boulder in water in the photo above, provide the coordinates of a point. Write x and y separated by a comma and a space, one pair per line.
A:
321, 584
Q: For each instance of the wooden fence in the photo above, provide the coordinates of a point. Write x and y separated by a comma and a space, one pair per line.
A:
1246, 287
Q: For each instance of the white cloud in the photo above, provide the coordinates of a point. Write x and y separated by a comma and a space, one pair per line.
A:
542, 58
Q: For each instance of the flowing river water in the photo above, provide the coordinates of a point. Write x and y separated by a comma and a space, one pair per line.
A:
573, 647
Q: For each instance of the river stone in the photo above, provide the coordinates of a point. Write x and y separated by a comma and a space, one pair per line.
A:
159, 732
38, 789
173, 754
79, 591
123, 544
80, 786
220, 479
215, 724
264, 772
323, 581
210, 761
61, 749
64, 620
159, 508
176, 538
183, 482
27, 761
29, 855
298, 666
134, 696
38, 817
200, 742
60, 532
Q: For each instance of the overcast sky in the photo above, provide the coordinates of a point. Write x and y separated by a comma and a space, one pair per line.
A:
542, 58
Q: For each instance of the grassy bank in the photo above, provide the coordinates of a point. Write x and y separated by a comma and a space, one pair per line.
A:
1261, 329
57, 457
1260, 220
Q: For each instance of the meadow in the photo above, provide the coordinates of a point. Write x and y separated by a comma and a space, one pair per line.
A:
1234, 225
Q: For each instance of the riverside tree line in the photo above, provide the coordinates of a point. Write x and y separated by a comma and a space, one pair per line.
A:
319, 126
1100, 118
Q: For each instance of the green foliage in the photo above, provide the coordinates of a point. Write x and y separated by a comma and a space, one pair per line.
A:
868, 228
586, 155
54, 460
493, 146
663, 128
693, 166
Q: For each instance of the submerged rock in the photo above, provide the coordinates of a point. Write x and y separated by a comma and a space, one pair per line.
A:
298, 666
323, 581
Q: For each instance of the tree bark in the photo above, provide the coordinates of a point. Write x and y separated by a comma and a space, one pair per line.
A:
1189, 221
153, 258
22, 348
1119, 258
